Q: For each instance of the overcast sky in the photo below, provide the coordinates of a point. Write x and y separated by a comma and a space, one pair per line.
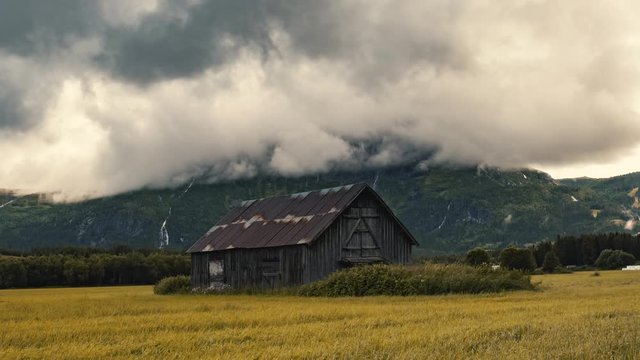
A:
100, 97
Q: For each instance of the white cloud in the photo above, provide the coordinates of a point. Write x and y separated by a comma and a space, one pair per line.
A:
510, 84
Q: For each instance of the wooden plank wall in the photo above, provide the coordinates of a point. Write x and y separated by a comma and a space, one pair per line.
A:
199, 269
326, 252
253, 268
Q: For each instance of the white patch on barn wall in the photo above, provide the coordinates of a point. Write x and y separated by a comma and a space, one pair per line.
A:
508, 220
573, 198
216, 268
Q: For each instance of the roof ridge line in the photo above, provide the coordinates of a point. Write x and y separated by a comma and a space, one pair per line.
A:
334, 188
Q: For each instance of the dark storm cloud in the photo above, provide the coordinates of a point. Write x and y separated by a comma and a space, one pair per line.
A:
30, 26
12, 114
181, 40
35, 30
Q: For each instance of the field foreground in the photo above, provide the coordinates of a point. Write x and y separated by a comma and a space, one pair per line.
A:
574, 316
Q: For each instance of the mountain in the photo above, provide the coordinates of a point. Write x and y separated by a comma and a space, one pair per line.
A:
448, 209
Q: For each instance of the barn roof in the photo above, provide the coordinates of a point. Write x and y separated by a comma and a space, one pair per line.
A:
282, 220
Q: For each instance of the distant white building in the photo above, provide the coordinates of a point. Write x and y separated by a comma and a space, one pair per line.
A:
632, 268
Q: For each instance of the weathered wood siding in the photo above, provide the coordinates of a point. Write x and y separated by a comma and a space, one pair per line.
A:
337, 242
255, 268
365, 230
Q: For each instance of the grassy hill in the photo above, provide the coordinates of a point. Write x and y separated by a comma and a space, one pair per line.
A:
447, 209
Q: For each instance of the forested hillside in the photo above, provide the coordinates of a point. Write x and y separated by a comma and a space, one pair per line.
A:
447, 209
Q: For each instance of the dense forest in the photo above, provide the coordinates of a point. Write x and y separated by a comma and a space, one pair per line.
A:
119, 265
584, 250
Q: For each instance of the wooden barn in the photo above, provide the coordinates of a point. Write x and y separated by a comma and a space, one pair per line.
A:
295, 239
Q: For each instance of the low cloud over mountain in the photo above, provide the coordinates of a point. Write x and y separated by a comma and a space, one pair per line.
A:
102, 97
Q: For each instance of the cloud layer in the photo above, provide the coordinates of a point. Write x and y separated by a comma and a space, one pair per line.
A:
98, 98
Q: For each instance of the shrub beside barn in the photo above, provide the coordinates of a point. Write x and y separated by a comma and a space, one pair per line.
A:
296, 239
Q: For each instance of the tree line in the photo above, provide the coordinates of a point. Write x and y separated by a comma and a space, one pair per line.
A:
89, 267
584, 250
605, 251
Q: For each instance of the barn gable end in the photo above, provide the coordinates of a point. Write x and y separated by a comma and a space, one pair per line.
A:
366, 231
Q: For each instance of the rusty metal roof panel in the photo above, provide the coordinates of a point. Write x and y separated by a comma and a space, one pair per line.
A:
307, 234
292, 234
278, 221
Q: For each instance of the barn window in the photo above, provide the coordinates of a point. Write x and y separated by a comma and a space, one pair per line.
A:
271, 271
216, 270
271, 266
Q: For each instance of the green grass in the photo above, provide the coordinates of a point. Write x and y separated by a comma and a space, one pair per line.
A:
573, 316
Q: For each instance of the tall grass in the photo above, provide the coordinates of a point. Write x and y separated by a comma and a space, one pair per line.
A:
427, 279
577, 316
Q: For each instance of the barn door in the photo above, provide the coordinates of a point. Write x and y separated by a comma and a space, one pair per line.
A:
362, 234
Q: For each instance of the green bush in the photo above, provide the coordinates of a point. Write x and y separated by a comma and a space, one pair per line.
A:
551, 262
428, 279
173, 285
614, 259
477, 257
517, 259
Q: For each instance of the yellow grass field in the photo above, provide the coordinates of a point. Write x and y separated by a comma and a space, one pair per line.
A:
573, 316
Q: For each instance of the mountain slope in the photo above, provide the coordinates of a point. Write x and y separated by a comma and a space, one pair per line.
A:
447, 209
